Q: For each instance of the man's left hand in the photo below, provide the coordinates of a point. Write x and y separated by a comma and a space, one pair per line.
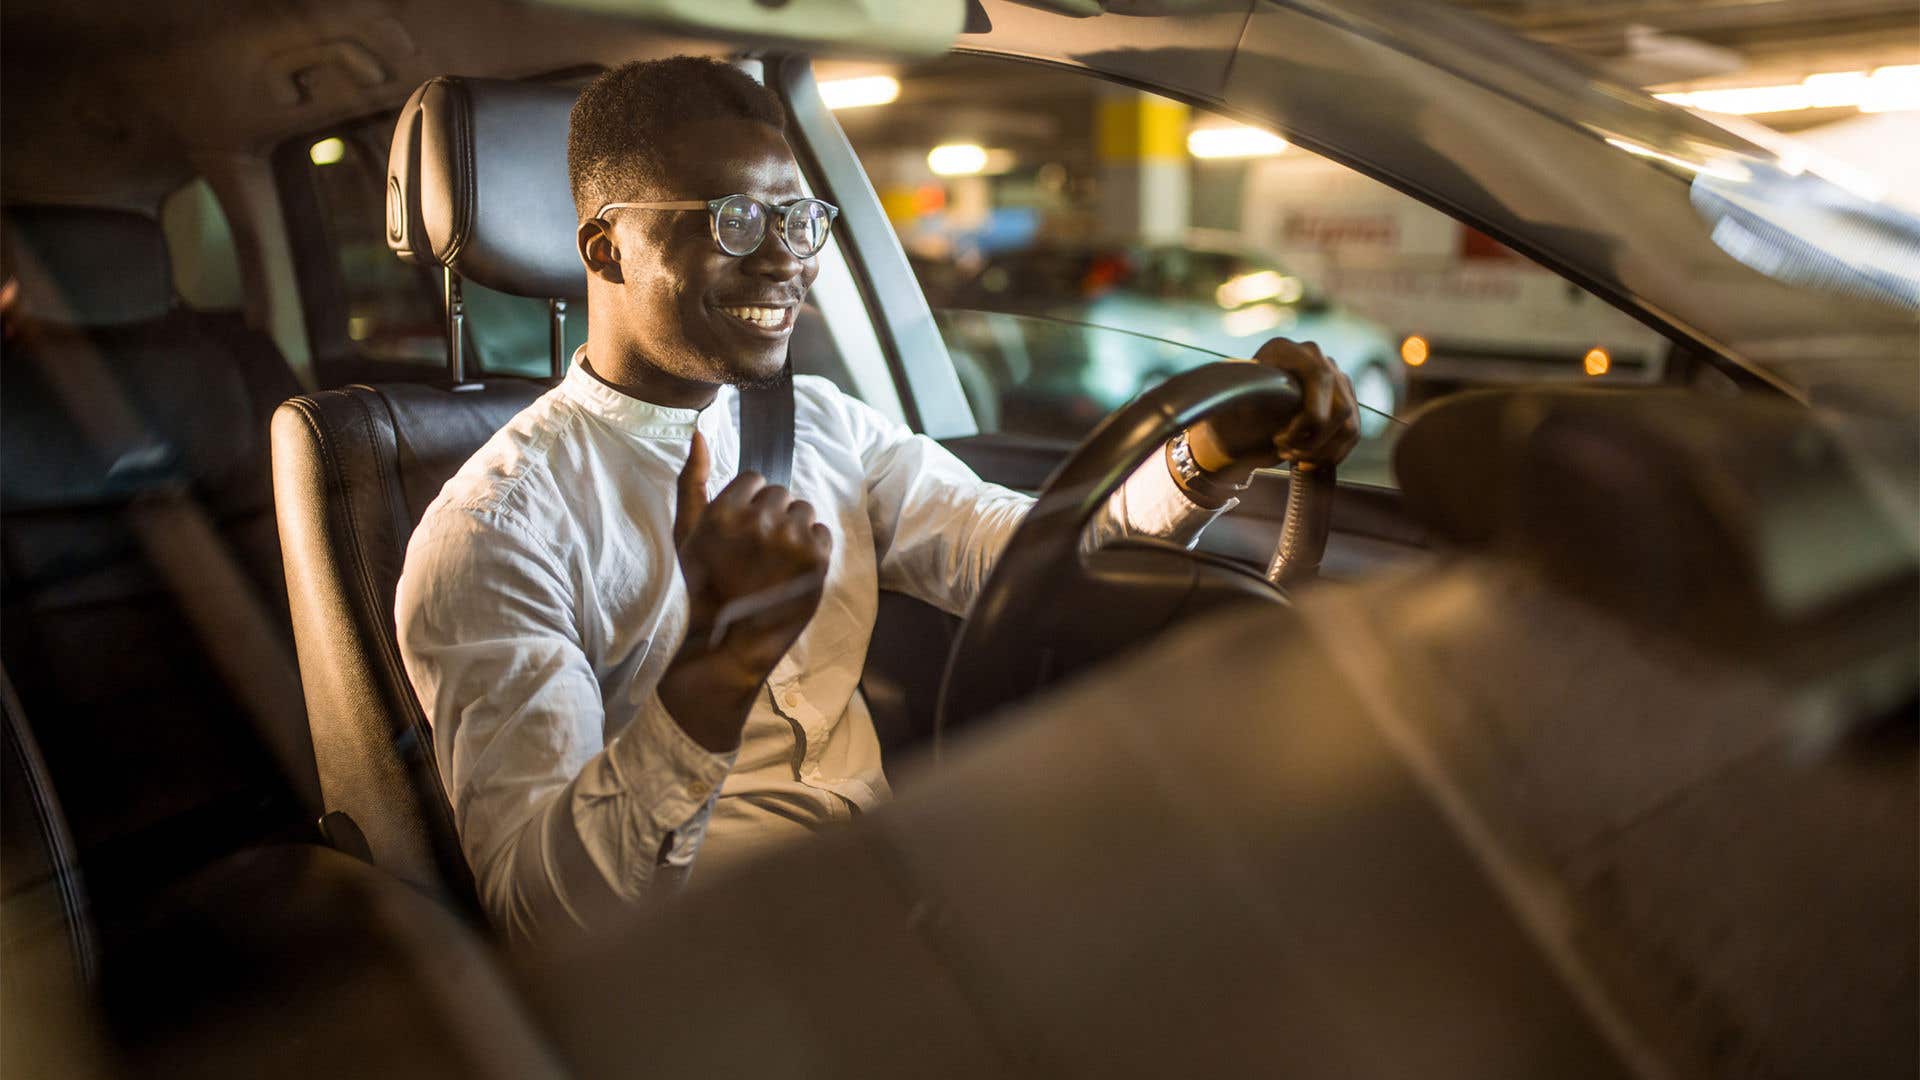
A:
1232, 443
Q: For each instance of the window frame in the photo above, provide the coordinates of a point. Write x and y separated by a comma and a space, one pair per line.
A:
925, 378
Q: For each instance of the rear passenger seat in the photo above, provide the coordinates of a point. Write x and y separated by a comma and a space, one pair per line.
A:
159, 767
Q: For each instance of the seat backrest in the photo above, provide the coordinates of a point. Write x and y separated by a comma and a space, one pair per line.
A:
353, 470
119, 399
477, 185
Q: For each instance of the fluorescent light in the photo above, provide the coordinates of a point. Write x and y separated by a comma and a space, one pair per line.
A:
859, 93
1886, 89
1895, 89
327, 151
957, 159
1233, 142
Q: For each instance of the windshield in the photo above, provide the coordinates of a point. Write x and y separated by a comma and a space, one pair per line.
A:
1589, 178
1802, 229
1053, 379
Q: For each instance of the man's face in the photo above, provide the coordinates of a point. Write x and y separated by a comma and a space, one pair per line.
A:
689, 305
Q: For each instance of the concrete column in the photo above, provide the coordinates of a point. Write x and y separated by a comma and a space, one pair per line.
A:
1141, 146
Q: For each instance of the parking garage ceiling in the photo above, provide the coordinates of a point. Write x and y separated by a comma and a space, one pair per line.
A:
1669, 45
1699, 44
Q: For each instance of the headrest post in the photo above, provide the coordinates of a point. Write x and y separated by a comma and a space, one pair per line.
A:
557, 336
456, 329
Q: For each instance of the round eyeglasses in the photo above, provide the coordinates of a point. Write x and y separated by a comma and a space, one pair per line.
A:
740, 222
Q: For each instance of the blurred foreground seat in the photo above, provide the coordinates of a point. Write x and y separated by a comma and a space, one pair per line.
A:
1560, 807
160, 765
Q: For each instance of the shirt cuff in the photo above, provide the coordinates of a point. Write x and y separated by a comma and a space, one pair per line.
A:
671, 781
1156, 505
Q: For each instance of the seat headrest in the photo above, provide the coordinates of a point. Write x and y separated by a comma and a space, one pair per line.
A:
88, 266
1739, 523
477, 183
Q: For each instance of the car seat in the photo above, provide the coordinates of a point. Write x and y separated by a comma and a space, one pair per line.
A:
477, 187
122, 406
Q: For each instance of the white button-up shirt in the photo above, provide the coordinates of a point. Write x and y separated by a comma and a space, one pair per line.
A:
542, 600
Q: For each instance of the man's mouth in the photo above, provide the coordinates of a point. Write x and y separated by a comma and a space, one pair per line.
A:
767, 318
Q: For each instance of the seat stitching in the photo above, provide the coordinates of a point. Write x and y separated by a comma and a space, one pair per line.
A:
418, 726
384, 650
309, 410
369, 592
383, 647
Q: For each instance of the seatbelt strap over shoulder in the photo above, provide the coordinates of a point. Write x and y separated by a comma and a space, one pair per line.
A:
766, 430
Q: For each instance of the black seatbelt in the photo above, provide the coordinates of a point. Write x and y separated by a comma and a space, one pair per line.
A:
766, 429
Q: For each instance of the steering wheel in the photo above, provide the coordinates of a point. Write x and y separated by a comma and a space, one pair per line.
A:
1048, 608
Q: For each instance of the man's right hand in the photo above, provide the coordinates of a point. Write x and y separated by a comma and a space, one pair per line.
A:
755, 562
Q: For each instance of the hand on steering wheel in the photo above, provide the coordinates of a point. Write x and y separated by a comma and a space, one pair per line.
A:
1048, 607
1243, 436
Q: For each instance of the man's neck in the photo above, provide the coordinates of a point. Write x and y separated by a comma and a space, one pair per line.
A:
633, 376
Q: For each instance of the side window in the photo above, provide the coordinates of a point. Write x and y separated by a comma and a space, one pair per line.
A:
1104, 239
371, 316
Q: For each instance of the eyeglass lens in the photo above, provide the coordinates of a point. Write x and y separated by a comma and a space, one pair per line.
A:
740, 225
806, 227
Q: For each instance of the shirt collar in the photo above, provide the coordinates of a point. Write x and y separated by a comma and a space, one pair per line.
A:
639, 418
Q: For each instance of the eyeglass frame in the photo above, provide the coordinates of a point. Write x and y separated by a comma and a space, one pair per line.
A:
712, 207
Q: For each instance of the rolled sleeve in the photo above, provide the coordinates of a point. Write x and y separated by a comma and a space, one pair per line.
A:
1152, 504
674, 779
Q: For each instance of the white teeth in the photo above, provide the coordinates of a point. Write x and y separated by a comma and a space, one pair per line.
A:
769, 318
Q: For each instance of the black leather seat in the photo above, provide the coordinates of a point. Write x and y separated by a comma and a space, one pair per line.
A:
163, 765
477, 185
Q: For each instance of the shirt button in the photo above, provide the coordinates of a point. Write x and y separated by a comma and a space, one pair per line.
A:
790, 699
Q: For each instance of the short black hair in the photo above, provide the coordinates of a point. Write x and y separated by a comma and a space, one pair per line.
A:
614, 134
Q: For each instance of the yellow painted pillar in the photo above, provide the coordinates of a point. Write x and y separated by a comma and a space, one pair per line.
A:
1141, 147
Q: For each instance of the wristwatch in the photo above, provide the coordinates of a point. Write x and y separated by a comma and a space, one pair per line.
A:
1195, 479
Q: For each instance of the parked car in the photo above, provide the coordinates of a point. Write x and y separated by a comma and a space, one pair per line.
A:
1178, 305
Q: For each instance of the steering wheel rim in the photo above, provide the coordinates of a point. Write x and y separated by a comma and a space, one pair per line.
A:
1047, 542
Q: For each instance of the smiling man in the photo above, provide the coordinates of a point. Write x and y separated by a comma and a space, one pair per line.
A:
599, 725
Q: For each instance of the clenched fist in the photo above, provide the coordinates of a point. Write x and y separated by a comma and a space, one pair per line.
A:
1234, 442
755, 562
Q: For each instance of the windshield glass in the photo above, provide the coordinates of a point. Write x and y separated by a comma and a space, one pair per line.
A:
1054, 379
1590, 178
1802, 229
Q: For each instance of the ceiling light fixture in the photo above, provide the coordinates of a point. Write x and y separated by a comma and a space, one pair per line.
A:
1887, 89
968, 159
1234, 142
859, 93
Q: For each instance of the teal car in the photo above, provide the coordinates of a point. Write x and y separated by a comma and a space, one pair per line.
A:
1163, 308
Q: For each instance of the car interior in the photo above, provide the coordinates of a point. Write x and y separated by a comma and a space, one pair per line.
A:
1574, 749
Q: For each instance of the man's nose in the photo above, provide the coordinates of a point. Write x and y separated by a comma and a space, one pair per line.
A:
773, 260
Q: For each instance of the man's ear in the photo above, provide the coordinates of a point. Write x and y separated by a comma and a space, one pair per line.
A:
598, 251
